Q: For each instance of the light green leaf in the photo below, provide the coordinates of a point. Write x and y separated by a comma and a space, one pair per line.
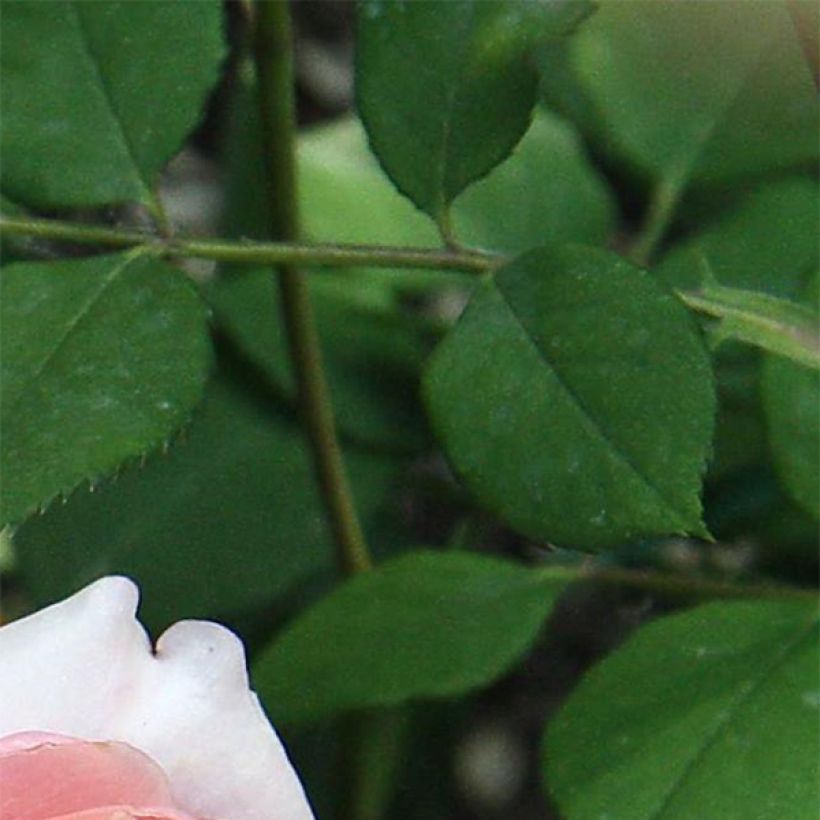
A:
710, 91
102, 360
791, 401
97, 97
446, 90
427, 625
765, 242
334, 162
343, 197
574, 397
547, 189
772, 324
227, 520
711, 713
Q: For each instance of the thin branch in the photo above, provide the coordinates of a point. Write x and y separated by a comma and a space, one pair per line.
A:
665, 583
249, 252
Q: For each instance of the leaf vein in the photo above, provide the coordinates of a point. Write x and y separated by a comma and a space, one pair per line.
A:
81, 314
623, 456
746, 692
109, 99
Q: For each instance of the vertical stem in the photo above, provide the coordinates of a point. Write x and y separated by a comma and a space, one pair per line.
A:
273, 54
665, 198
372, 750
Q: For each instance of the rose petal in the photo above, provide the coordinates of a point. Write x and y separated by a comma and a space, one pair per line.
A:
61, 669
120, 813
84, 667
55, 776
22, 741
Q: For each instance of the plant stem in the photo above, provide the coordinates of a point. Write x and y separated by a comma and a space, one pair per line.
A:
273, 56
664, 200
670, 584
274, 68
340, 256
255, 253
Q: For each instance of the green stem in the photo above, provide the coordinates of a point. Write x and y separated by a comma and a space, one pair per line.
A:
330, 255
273, 56
274, 67
255, 253
678, 585
664, 200
771, 324
372, 747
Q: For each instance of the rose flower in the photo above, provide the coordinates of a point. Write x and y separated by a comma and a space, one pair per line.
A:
95, 725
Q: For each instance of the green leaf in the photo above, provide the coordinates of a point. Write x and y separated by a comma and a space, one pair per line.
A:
343, 197
683, 90
712, 713
427, 625
234, 499
373, 355
772, 324
546, 189
102, 360
97, 97
574, 398
446, 90
791, 401
766, 242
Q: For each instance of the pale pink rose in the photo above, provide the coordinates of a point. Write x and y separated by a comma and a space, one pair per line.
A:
95, 725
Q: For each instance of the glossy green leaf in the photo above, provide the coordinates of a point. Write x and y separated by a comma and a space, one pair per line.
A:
228, 519
446, 90
710, 90
574, 398
711, 713
791, 401
374, 355
97, 97
427, 625
102, 360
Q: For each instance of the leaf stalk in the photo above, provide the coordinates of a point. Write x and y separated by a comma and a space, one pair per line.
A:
248, 252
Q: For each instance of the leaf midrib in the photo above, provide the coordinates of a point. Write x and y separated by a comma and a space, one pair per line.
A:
442, 202
69, 329
102, 84
753, 685
597, 429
